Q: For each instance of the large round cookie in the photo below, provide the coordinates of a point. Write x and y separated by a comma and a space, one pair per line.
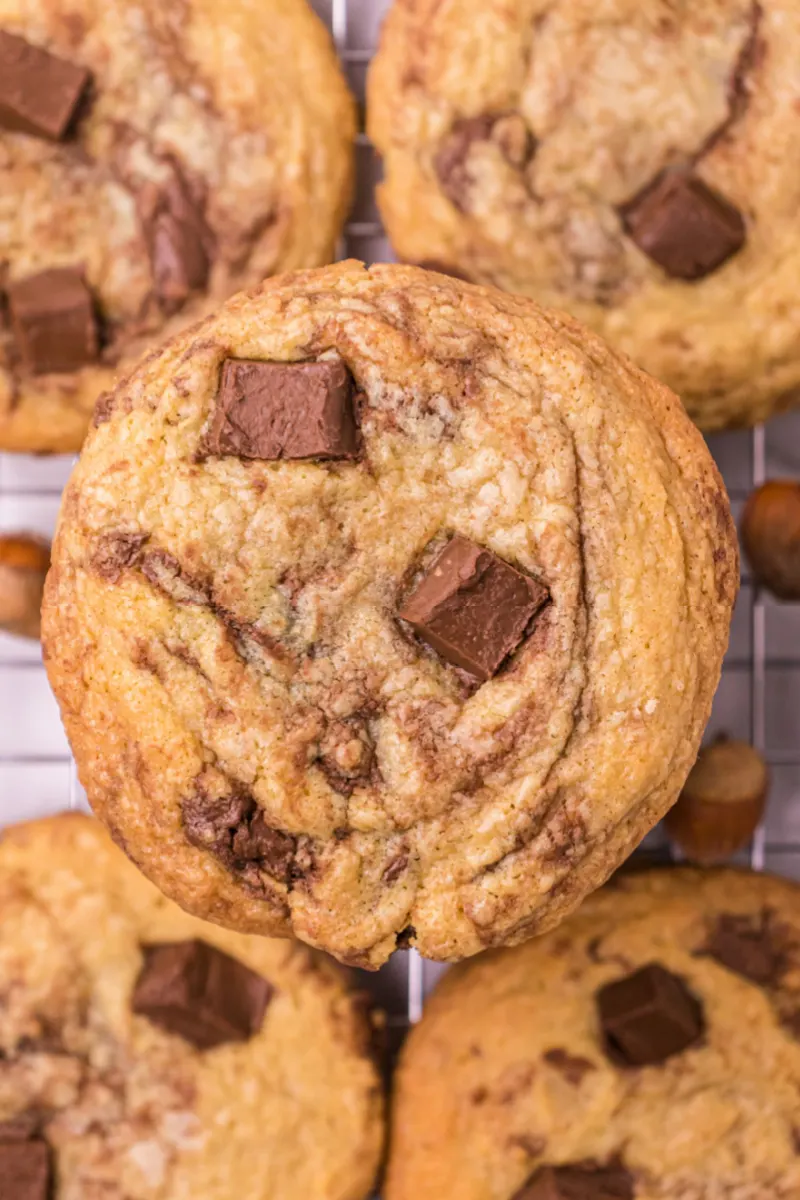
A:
158, 157
269, 1092
629, 160
387, 609
647, 1050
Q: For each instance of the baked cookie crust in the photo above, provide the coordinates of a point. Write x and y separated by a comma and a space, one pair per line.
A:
213, 141
128, 1110
506, 1084
630, 161
273, 742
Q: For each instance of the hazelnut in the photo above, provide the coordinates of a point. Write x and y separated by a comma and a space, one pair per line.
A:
722, 802
24, 562
771, 537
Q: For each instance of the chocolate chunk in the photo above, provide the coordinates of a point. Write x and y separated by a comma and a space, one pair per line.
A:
472, 607
748, 947
273, 410
684, 226
396, 866
114, 552
508, 131
648, 1016
233, 828
572, 1066
53, 319
258, 842
451, 161
21, 1128
179, 242
25, 1172
581, 1181
201, 994
39, 93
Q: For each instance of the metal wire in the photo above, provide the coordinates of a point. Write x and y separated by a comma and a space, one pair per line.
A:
758, 666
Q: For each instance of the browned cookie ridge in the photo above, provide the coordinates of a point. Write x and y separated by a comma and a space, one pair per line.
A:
631, 162
152, 162
413, 600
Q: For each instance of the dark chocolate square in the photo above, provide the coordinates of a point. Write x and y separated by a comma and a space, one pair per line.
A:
274, 410
684, 226
649, 1016
25, 1172
53, 320
472, 607
39, 93
198, 992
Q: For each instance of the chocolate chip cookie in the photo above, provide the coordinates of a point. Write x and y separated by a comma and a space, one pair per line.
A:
154, 159
144, 1053
630, 161
388, 610
649, 1049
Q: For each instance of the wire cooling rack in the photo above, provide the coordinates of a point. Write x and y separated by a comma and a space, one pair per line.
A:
759, 698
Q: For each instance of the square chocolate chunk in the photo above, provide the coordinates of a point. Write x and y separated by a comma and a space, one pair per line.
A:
39, 93
473, 608
274, 410
53, 320
649, 1016
200, 993
684, 226
25, 1170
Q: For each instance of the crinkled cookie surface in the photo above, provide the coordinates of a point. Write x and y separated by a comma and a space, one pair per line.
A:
121, 1108
268, 738
631, 161
211, 146
508, 1090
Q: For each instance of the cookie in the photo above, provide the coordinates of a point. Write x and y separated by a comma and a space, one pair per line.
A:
647, 1050
144, 1053
153, 161
630, 161
388, 610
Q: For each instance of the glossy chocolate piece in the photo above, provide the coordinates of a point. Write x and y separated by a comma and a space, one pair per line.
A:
472, 607
196, 991
272, 411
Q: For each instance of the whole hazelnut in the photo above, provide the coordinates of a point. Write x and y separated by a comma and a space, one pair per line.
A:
722, 802
24, 563
771, 536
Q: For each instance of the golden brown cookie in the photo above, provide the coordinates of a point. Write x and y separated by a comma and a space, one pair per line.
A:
649, 1049
154, 159
388, 609
145, 1054
631, 161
